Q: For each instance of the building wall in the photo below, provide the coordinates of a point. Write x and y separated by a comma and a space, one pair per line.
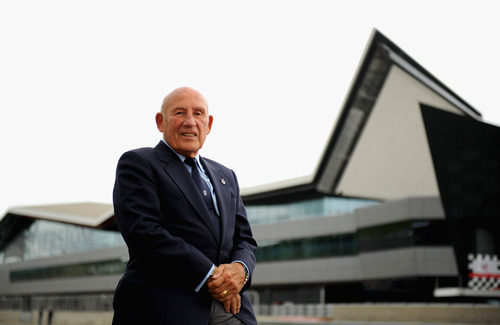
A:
62, 285
392, 159
303, 275
398, 262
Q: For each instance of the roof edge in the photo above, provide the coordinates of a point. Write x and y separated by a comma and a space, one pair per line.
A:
276, 186
37, 212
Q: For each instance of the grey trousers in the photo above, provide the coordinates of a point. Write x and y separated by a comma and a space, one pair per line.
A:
218, 315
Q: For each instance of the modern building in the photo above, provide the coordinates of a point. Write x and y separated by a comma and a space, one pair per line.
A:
404, 205
430, 168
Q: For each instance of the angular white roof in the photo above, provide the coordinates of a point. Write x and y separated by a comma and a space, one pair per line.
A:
88, 214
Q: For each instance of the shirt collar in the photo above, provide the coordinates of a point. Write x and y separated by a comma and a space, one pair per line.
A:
182, 158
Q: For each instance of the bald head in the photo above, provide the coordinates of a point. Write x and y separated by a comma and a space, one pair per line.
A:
180, 92
184, 120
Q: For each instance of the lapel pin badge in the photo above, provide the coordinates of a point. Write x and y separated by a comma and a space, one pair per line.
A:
223, 181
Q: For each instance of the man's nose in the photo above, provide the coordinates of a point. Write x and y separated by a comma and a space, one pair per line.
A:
189, 120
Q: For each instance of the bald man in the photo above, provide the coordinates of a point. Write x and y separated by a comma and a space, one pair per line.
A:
191, 248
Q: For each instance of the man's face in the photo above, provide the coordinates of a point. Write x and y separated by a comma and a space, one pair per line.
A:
184, 121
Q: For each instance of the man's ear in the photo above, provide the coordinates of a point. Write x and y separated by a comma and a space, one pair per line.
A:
210, 121
159, 121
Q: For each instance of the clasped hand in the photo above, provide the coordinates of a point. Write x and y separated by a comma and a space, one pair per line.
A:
225, 285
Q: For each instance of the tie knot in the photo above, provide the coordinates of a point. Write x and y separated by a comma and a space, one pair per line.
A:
190, 161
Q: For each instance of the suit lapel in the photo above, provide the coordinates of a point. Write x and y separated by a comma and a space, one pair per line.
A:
180, 176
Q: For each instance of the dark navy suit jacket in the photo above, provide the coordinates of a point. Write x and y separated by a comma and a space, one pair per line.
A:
172, 240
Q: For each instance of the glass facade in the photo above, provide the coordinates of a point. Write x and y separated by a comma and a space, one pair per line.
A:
46, 238
387, 236
67, 271
404, 234
303, 248
316, 208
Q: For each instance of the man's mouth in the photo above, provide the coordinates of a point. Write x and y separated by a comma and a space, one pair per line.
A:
188, 134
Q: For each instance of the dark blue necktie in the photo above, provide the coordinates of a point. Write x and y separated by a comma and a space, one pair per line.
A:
200, 183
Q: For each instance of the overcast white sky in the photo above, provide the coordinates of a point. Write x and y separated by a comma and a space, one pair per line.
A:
80, 81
